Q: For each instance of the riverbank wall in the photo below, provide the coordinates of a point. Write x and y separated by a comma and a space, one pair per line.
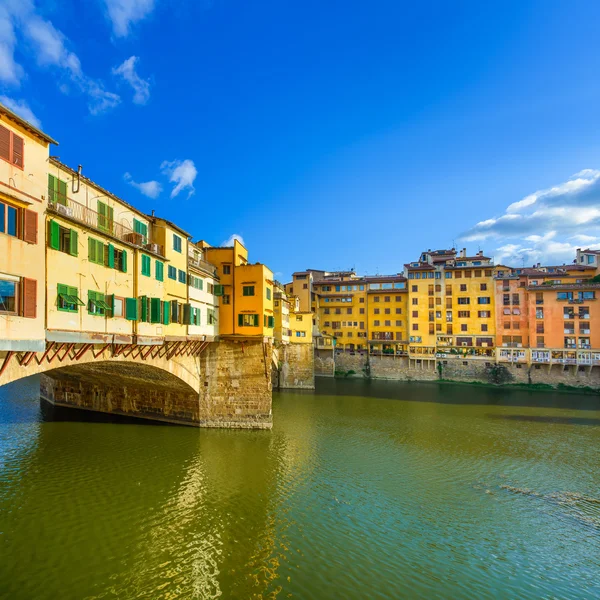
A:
296, 368
467, 370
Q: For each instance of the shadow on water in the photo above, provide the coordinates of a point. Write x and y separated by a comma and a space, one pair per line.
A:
542, 419
454, 393
18, 399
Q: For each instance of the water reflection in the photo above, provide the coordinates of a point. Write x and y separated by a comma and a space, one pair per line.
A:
361, 490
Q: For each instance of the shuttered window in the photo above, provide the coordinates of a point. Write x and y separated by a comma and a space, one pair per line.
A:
248, 320
165, 313
144, 309
29, 287
68, 299
57, 190
131, 309
182, 276
172, 272
248, 290
105, 216
146, 265
155, 314
30, 227
97, 304
271, 322
142, 229
159, 270
219, 290
95, 251
11, 147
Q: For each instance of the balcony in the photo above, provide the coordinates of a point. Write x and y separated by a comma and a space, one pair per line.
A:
202, 265
386, 336
65, 207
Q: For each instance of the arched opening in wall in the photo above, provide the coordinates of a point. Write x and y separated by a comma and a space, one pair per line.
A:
121, 388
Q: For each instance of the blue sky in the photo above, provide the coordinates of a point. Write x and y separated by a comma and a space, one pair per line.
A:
328, 134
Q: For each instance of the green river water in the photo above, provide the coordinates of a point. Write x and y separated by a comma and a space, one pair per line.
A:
361, 490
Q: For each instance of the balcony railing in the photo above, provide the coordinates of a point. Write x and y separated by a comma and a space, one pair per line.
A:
61, 205
202, 264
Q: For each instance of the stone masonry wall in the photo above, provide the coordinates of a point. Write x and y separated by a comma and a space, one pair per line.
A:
324, 363
297, 370
235, 385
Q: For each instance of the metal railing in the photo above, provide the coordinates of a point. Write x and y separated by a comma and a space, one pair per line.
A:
61, 205
202, 264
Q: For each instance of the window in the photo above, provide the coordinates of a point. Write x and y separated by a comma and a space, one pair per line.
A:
305, 286
146, 265
105, 216
68, 299
176, 243
415, 327
226, 299
464, 314
349, 311
415, 314
159, 270
171, 272
387, 311
11, 147
484, 327
361, 311
463, 287
181, 276
66, 240
97, 304
448, 274
226, 269
484, 300
57, 190
118, 306
398, 311
141, 229
211, 316
268, 293
248, 290
464, 300
415, 301
375, 323
376, 311
483, 287
299, 318
338, 311
120, 258
9, 296
484, 314
376, 299
95, 251
387, 323
415, 288
387, 298
248, 320
361, 300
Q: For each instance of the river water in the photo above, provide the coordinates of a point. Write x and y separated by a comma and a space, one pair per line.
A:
361, 490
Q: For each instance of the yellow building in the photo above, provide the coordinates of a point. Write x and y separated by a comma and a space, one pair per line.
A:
246, 290
23, 176
203, 302
173, 242
97, 243
451, 304
281, 309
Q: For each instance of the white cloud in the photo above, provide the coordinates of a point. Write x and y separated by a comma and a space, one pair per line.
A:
229, 241
124, 13
152, 189
182, 174
140, 86
21, 108
50, 50
548, 225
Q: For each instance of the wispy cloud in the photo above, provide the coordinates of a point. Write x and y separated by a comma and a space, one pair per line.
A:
152, 189
21, 108
50, 51
234, 236
141, 87
548, 225
125, 13
182, 173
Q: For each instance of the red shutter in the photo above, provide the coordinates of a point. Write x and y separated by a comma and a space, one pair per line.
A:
29, 298
30, 231
4, 143
17, 150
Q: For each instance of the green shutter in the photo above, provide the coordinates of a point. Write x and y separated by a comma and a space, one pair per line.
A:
124, 261
91, 249
241, 320
73, 241
111, 215
91, 298
110, 300
166, 313
62, 192
52, 188
131, 309
144, 309
154, 310
146, 265
111, 256
54, 235
61, 289
219, 289
159, 271
101, 215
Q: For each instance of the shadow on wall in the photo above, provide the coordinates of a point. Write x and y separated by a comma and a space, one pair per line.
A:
454, 393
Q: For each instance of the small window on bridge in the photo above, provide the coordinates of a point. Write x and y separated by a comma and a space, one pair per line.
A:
68, 299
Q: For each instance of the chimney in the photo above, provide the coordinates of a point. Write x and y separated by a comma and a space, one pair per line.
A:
152, 212
480, 253
463, 253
